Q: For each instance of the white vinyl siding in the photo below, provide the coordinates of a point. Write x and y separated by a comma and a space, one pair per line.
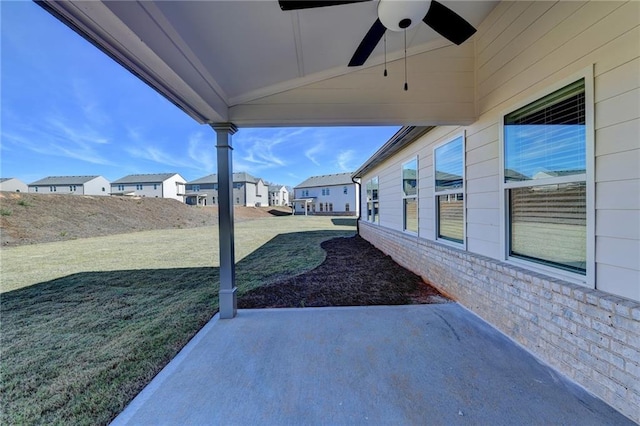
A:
525, 50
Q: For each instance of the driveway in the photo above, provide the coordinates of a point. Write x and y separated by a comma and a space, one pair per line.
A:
416, 364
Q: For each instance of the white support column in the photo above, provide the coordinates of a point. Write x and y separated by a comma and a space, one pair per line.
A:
227, 295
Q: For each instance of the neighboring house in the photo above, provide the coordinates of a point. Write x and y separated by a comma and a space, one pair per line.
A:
327, 195
76, 185
529, 214
278, 195
247, 191
158, 185
13, 185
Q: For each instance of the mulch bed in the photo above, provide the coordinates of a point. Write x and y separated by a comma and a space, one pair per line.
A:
354, 273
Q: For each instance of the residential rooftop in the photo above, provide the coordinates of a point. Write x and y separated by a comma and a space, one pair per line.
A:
237, 177
64, 180
144, 178
327, 180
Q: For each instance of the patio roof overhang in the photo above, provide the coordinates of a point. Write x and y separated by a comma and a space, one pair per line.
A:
237, 64
252, 64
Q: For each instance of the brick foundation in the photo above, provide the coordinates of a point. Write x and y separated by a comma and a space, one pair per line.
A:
588, 335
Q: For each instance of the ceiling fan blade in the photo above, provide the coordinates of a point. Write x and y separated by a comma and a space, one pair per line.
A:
448, 24
368, 43
312, 4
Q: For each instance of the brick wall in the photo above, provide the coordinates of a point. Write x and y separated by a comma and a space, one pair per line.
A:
588, 335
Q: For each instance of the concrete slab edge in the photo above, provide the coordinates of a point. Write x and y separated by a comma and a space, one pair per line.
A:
147, 392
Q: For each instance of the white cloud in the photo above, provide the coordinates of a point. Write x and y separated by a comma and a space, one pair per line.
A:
258, 150
87, 102
47, 145
57, 136
313, 152
202, 153
79, 135
345, 160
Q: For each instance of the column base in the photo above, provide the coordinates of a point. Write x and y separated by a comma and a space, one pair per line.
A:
228, 303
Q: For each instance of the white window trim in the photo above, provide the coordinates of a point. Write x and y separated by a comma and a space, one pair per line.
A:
366, 198
587, 280
417, 196
462, 134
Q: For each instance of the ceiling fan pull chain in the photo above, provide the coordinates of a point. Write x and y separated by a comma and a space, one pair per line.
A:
385, 54
406, 85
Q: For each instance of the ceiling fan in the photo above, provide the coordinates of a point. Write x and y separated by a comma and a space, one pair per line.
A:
397, 15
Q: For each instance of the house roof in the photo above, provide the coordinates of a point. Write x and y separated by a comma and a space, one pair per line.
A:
144, 178
276, 188
64, 180
237, 177
326, 180
403, 137
252, 64
5, 179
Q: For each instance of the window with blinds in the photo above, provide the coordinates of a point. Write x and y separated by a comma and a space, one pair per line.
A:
449, 190
545, 180
410, 195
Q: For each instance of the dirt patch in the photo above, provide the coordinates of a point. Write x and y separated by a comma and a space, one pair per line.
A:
40, 218
354, 273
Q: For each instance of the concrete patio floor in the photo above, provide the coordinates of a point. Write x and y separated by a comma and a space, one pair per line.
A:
419, 364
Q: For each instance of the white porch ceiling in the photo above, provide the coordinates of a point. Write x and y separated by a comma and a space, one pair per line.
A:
250, 63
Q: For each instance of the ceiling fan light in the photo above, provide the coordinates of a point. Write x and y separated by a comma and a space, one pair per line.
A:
395, 13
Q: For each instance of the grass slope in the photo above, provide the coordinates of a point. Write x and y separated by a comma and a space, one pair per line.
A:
38, 218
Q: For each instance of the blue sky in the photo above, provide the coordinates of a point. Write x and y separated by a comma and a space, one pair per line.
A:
68, 109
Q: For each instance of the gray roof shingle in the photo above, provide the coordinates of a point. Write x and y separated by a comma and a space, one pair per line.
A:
327, 180
63, 180
144, 178
213, 178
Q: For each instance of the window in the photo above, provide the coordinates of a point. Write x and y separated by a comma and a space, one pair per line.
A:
305, 192
238, 185
545, 181
196, 188
448, 163
330, 208
328, 191
72, 188
237, 200
52, 189
346, 207
345, 190
320, 206
372, 200
410, 195
155, 186
323, 191
36, 189
103, 190
213, 200
139, 186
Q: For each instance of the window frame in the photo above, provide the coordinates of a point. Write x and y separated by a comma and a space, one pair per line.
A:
459, 135
407, 197
373, 219
588, 279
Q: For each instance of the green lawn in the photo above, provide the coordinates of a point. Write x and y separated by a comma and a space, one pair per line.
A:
87, 323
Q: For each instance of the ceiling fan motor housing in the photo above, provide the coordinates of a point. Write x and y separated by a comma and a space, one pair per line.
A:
400, 15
